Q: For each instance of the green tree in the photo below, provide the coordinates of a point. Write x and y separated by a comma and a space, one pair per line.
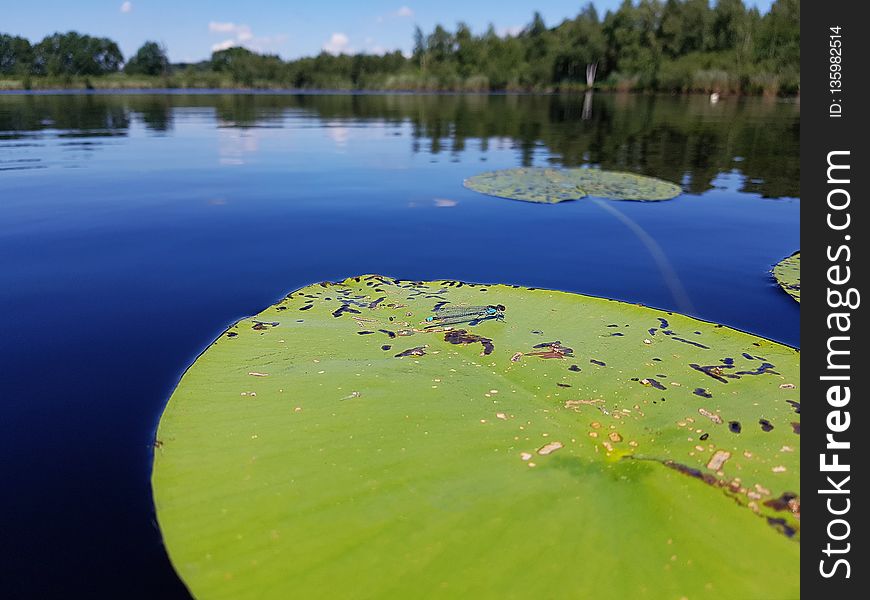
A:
439, 45
729, 25
671, 45
419, 43
16, 55
580, 43
537, 38
779, 35
469, 51
633, 47
150, 59
684, 27
247, 67
75, 54
502, 58
538, 41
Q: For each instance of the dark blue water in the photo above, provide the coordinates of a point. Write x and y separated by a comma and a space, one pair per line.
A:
134, 229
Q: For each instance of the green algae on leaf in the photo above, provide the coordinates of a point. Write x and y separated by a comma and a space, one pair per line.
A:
787, 273
550, 186
534, 456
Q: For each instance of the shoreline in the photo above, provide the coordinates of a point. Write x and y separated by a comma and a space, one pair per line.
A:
265, 91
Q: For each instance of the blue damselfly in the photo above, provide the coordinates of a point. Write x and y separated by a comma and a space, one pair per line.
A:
450, 315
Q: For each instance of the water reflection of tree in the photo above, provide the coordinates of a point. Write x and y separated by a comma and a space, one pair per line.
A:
681, 138
673, 138
155, 112
70, 114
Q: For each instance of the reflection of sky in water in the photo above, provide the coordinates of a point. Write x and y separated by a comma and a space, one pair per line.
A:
183, 214
338, 134
235, 144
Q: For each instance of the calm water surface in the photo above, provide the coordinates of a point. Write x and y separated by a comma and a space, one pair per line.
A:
135, 228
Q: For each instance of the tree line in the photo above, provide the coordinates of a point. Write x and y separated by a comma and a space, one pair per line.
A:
662, 45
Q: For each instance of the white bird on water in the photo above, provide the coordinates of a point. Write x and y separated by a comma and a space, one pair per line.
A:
714, 97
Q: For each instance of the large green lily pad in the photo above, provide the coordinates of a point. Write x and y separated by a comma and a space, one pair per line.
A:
787, 273
578, 448
549, 186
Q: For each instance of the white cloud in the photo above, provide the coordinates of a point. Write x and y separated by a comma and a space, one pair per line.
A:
404, 12
127, 7
338, 43
243, 35
242, 32
224, 45
216, 27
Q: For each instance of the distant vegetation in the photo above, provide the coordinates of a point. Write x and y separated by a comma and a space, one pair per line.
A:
670, 46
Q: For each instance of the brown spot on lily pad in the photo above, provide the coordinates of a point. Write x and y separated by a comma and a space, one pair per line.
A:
787, 501
573, 404
550, 448
718, 459
461, 336
710, 415
554, 350
418, 351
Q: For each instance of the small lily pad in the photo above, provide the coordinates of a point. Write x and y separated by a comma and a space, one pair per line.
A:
550, 186
481, 460
787, 273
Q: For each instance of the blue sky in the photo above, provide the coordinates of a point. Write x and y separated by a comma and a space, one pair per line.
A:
191, 29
